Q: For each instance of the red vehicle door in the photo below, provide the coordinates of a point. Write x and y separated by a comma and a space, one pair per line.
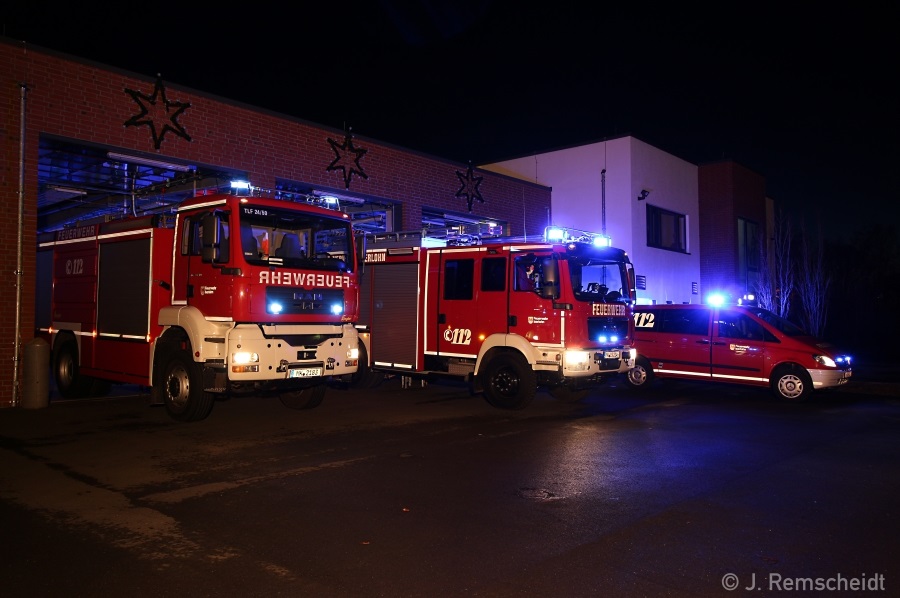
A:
452, 311
676, 339
531, 315
196, 282
738, 348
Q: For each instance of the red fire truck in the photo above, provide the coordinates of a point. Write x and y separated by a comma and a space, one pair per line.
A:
231, 294
507, 316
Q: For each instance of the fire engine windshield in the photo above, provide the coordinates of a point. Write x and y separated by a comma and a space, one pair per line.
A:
272, 237
599, 280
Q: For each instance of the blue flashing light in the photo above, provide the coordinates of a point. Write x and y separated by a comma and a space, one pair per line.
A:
716, 299
240, 185
555, 234
275, 308
337, 309
602, 241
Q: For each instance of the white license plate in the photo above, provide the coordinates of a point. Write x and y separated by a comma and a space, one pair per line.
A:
610, 355
304, 373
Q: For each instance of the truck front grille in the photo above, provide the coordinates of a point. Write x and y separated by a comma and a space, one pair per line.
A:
292, 300
603, 330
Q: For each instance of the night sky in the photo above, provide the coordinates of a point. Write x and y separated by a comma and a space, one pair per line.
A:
807, 99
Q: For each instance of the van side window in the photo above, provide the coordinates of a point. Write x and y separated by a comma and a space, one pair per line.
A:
687, 321
740, 326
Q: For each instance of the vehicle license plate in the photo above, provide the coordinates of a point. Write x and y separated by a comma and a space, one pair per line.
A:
304, 372
610, 355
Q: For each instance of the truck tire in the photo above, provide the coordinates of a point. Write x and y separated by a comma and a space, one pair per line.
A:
791, 383
182, 388
641, 375
304, 398
69, 381
508, 381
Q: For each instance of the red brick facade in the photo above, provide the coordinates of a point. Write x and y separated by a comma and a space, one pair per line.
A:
727, 191
65, 97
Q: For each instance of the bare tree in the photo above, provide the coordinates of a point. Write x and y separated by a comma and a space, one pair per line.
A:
776, 278
814, 283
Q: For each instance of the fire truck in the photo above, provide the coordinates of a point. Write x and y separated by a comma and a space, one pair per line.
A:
505, 315
227, 295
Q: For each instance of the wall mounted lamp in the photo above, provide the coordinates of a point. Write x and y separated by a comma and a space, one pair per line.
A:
643, 195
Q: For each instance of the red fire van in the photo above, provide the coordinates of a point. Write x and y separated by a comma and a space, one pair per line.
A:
737, 344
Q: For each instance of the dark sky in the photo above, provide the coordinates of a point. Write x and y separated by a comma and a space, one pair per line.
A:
807, 99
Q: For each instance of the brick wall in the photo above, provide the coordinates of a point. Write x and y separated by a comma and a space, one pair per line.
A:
727, 191
87, 102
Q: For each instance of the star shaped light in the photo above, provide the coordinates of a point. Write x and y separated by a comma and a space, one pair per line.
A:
346, 159
158, 112
469, 184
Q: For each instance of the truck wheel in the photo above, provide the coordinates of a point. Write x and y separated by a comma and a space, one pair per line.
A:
641, 375
567, 394
69, 382
791, 383
182, 388
364, 377
509, 382
304, 398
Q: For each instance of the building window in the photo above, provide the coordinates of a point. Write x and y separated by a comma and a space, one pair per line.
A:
749, 249
666, 230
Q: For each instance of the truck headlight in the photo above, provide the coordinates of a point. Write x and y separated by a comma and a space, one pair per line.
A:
242, 357
578, 360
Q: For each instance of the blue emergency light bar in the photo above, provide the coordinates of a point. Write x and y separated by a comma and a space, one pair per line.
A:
557, 234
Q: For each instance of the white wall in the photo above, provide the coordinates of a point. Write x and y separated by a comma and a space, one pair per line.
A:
574, 175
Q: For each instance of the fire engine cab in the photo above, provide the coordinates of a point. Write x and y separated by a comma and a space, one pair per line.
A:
506, 315
233, 294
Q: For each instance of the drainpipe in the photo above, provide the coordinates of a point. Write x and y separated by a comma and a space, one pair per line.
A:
603, 201
23, 92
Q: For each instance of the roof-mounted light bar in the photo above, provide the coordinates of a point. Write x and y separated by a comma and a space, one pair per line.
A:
558, 234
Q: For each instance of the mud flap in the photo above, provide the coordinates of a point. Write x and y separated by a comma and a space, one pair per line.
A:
215, 378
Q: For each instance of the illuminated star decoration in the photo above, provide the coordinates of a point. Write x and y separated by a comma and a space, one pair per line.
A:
469, 184
346, 159
158, 113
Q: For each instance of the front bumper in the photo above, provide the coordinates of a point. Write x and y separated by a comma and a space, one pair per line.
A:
283, 356
829, 378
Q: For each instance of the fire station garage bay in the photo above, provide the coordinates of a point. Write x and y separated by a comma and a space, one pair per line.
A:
84, 143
